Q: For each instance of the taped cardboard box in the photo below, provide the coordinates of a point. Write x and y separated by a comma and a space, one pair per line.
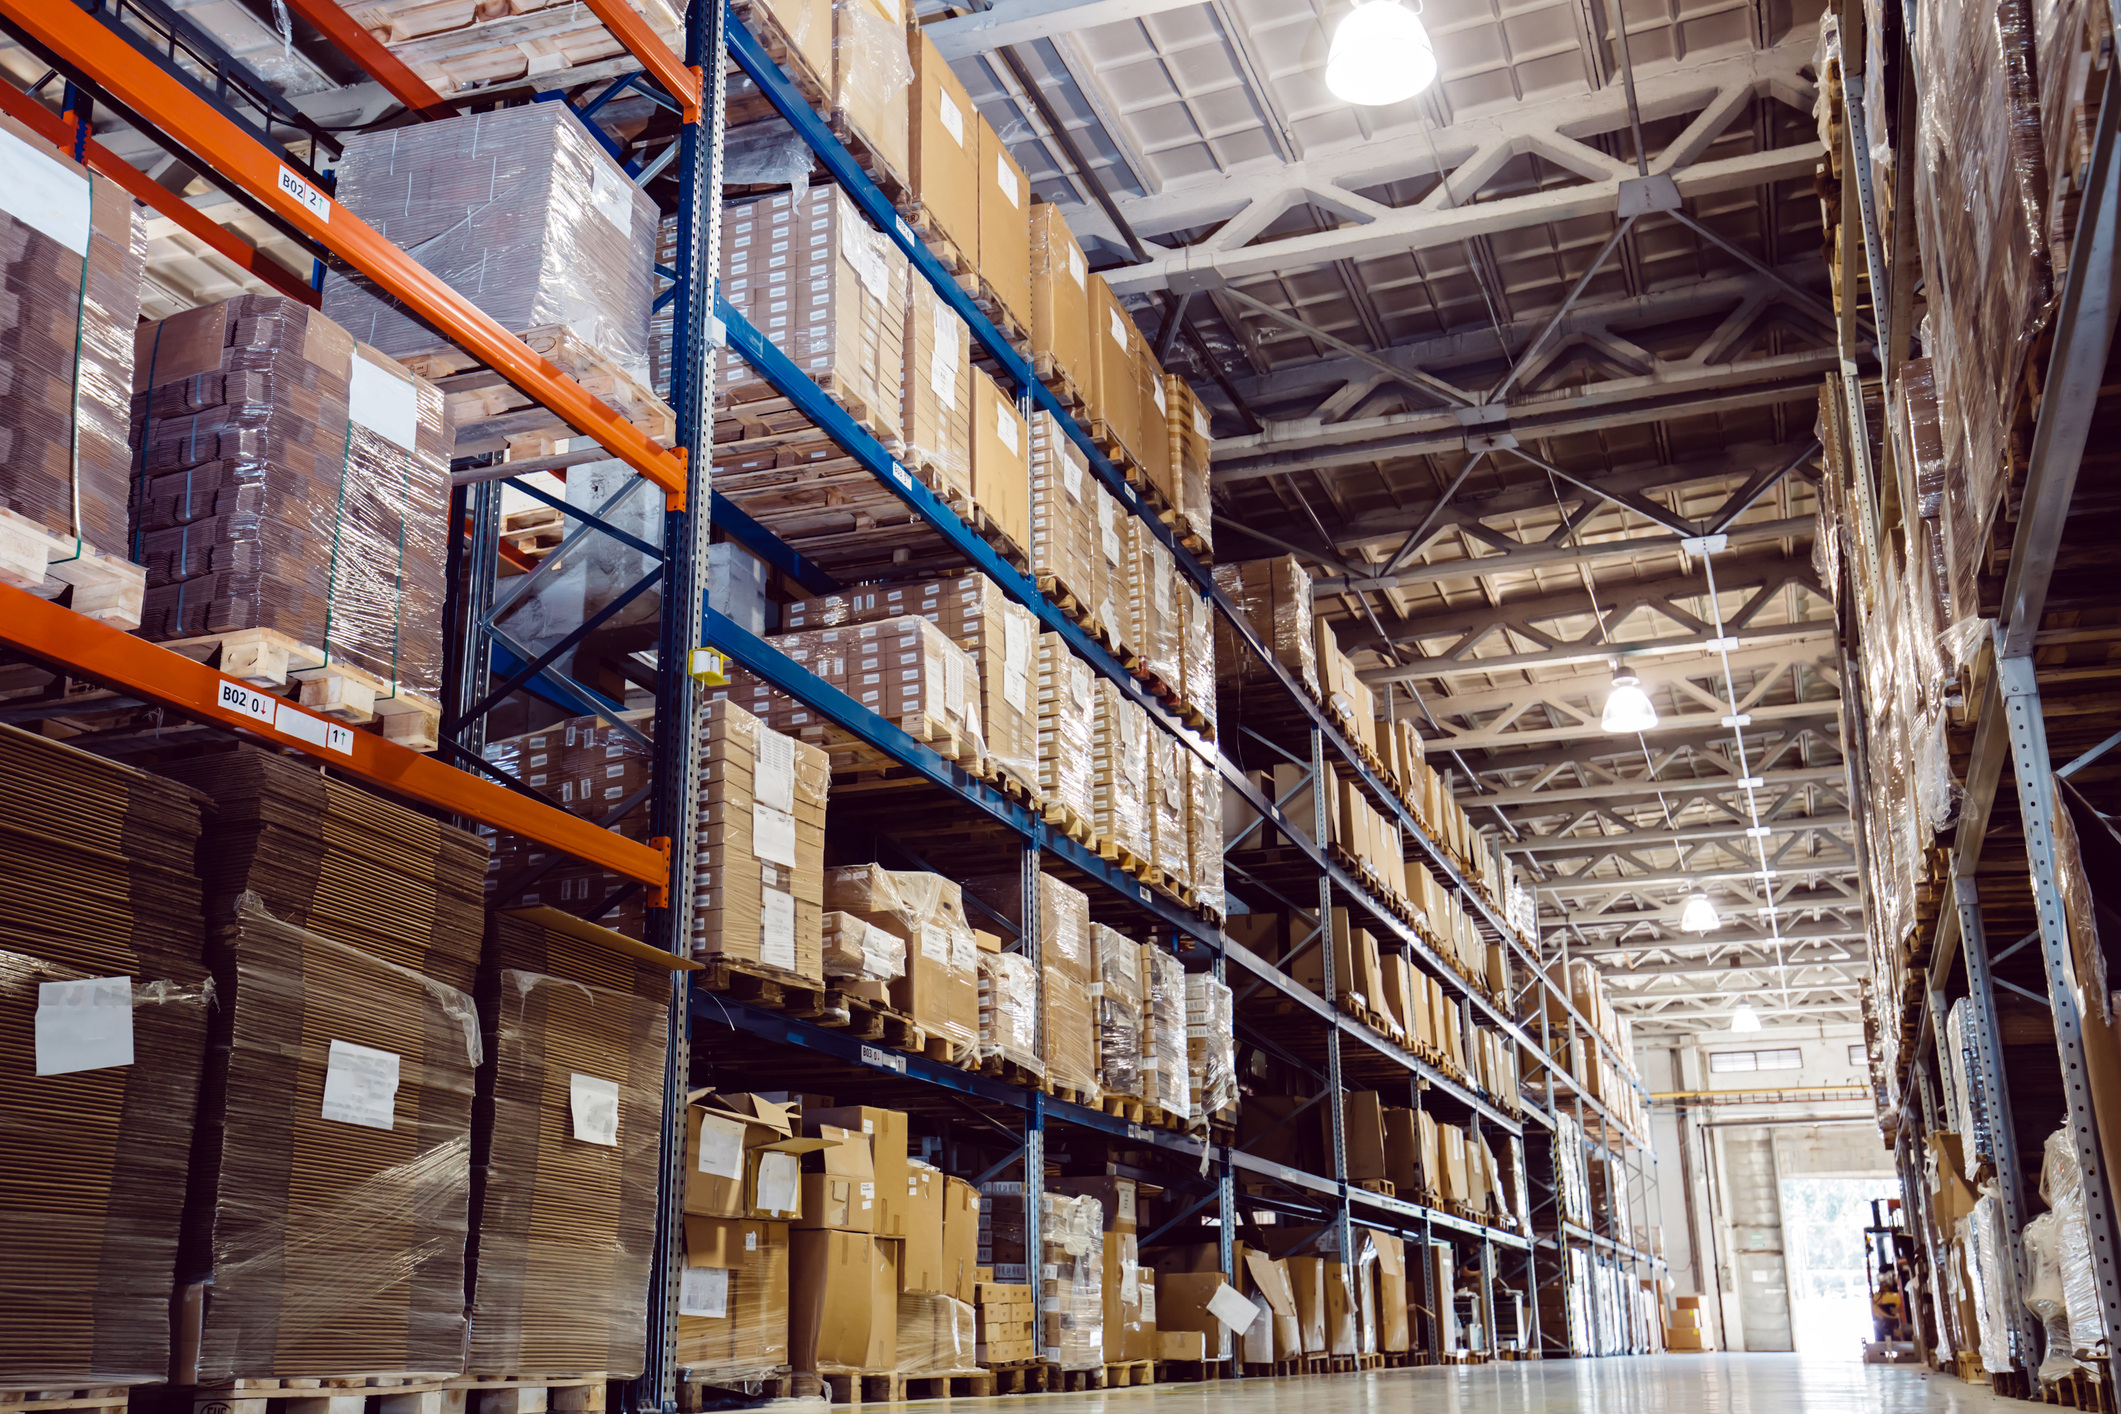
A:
940, 989
1004, 228
871, 70
960, 1263
733, 1299
904, 669
1067, 726
1006, 1317
743, 1159
884, 1134
1363, 1131
1114, 393
855, 951
1165, 1080
759, 893
943, 158
1393, 1334
1060, 300
1119, 785
1155, 423
831, 1299
839, 1185
1114, 602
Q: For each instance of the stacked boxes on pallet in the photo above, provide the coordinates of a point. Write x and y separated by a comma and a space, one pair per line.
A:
871, 70
1067, 727
1119, 782
742, 1188
943, 156
939, 990
1067, 964
904, 669
1070, 1273
1061, 350
759, 886
292, 480
592, 768
74, 255
106, 999
1120, 998
1165, 1073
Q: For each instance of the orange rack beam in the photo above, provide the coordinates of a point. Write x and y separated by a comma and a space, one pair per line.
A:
629, 29
59, 131
365, 49
81, 44
151, 673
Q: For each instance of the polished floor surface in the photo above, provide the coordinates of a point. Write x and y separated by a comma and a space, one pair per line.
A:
1666, 1384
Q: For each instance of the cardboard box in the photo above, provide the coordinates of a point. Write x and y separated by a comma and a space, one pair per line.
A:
839, 1186
1004, 227
1115, 394
1270, 1279
926, 1267
1182, 1301
940, 989
1001, 465
1060, 298
1181, 1345
886, 1256
831, 1288
1677, 1339
1687, 1303
935, 400
761, 845
1685, 1320
742, 1158
733, 1298
960, 1264
885, 1131
944, 151
1307, 1281
1392, 1330
871, 69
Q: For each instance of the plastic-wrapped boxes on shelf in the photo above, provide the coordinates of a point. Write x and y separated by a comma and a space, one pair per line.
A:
1169, 801
1004, 235
1067, 728
1066, 960
1192, 443
1204, 818
295, 482
1211, 1048
1166, 1080
1114, 397
935, 412
871, 71
1070, 1274
591, 768
856, 951
1119, 782
943, 161
1061, 353
940, 988
1064, 522
1275, 596
1153, 630
1119, 1012
1008, 1010
759, 887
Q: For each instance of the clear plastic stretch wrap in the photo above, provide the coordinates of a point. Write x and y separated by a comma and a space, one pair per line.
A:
758, 884
564, 1145
1170, 838
1211, 1047
518, 210
936, 1335
291, 481
1980, 194
861, 952
1204, 828
1072, 1308
2042, 1290
1119, 1012
1196, 640
329, 1205
1988, 1254
1969, 1103
1275, 596
1066, 957
1152, 594
1008, 1009
100, 923
871, 70
1067, 726
1111, 566
74, 251
1192, 443
1165, 1076
940, 986
590, 767
1119, 764
733, 1299
2069, 32
827, 289
935, 408
1065, 536
2062, 1188
905, 669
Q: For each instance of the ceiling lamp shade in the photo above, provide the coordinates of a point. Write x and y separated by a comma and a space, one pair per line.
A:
1381, 54
1744, 1018
1699, 916
1628, 709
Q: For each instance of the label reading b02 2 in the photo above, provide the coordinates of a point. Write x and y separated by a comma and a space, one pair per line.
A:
318, 203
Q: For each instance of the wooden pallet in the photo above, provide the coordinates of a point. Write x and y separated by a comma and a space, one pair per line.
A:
1383, 1187
866, 1387
942, 1384
2079, 1389
412, 1393
1014, 1071
718, 1392
536, 531
771, 988
959, 1055
490, 414
1277, 1369
1068, 821
1126, 1107
1058, 380
1171, 1372
268, 659
105, 1399
1017, 1377
1125, 1374
1074, 1381
746, 104
105, 587
1072, 1094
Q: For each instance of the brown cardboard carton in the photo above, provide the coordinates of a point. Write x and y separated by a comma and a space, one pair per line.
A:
831, 1287
840, 1190
1403, 1135
1181, 1345
742, 1159
925, 1268
1363, 1130
887, 1256
1001, 467
886, 1133
1115, 397
1182, 1300
1067, 956
1270, 1278
871, 70
1307, 1279
944, 151
1342, 1335
960, 1264
935, 406
1392, 1331
940, 988
1156, 422
1457, 1181
1060, 298
733, 1298
1004, 227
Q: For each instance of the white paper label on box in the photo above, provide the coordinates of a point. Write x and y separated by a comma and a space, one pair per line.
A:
773, 772
1118, 328
1078, 269
1149, 1304
1156, 386
777, 929
44, 193
1005, 427
704, 1291
953, 116
751, 1242
858, 249
868, 1196
1126, 1203
1072, 473
1016, 657
593, 1102
778, 1183
942, 363
384, 403
773, 835
1005, 179
1230, 1308
1200, 422
612, 194
361, 1085
84, 1025
964, 951
1130, 1281
721, 1147
935, 945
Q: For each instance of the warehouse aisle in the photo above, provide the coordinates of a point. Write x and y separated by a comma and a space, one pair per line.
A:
1657, 1384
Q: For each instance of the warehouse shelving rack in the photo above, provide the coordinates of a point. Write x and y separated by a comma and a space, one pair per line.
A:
484, 669
2042, 719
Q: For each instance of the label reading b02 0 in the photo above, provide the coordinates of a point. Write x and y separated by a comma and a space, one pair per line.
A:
286, 718
872, 1056
247, 700
318, 203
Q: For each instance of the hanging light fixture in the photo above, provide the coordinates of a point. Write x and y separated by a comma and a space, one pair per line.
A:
1381, 54
1628, 709
1699, 916
1744, 1018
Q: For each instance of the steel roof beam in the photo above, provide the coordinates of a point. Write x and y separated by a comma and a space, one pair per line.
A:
1528, 799
1579, 846
1021, 21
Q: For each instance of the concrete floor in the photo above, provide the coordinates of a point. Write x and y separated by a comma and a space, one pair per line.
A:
1676, 1384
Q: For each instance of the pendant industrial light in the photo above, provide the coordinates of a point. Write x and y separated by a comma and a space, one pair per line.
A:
1744, 1018
1699, 916
1381, 54
1628, 709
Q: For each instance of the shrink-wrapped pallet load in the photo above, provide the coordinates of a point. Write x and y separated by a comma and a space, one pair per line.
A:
1004, 233
940, 986
1170, 838
1008, 1009
1211, 1047
1204, 827
1275, 597
75, 249
1112, 565
1155, 423
904, 669
105, 999
943, 156
1064, 524
1119, 1012
856, 951
1166, 1080
592, 768
1119, 783
1153, 593
293, 481
1069, 1276
1001, 462
1060, 304
759, 884
520, 211
1067, 966
935, 426
1192, 443
1067, 727
871, 70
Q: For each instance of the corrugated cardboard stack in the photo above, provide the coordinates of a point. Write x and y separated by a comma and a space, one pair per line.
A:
1067, 727
827, 289
104, 1000
1119, 780
331, 1175
871, 71
564, 1146
1070, 1272
73, 257
904, 669
1204, 830
292, 481
1192, 444
1152, 594
940, 988
1170, 835
1007, 1321
520, 211
591, 768
1060, 303
1120, 995
1166, 1080
1066, 962
943, 157
759, 888
1004, 233
1008, 1009
1275, 596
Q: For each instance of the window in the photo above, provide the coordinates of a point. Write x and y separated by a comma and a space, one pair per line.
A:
1786, 1058
1858, 1057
